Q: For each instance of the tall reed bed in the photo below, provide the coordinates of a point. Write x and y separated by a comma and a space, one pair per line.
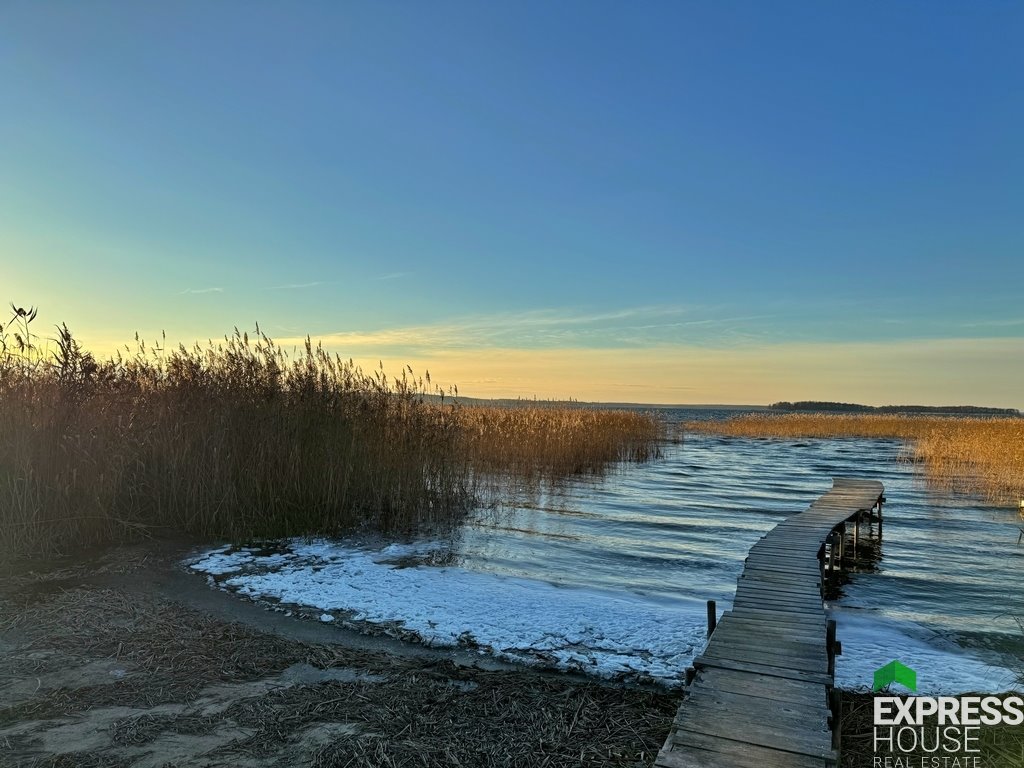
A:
979, 455
234, 440
547, 442
239, 440
985, 455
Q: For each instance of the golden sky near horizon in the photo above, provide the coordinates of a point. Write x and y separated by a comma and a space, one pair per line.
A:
920, 372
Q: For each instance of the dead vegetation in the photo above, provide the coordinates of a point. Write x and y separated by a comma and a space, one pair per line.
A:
195, 690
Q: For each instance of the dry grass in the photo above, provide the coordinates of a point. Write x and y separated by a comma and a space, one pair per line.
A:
979, 455
239, 440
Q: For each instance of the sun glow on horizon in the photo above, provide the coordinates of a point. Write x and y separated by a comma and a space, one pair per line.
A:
873, 373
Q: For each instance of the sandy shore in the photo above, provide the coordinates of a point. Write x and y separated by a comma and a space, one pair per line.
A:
125, 660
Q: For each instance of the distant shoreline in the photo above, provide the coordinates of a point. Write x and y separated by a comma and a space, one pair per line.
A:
816, 406
800, 406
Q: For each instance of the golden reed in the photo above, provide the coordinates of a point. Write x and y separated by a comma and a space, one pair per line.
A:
240, 440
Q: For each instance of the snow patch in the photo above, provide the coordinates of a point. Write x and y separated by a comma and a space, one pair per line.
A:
607, 634
943, 669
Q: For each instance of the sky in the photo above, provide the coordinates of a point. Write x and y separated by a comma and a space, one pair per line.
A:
656, 202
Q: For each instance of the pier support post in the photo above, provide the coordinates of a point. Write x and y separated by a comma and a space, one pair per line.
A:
712, 617
832, 579
835, 700
856, 534
830, 645
821, 570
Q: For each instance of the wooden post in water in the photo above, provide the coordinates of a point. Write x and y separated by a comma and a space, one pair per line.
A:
821, 569
712, 617
830, 645
832, 577
835, 700
856, 534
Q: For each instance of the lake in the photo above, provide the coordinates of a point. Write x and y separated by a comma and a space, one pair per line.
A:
610, 575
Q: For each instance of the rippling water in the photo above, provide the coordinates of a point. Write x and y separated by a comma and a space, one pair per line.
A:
942, 589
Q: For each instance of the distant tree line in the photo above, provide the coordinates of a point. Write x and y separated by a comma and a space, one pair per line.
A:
821, 405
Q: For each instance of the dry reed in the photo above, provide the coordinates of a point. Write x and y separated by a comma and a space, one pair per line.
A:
534, 440
240, 440
977, 455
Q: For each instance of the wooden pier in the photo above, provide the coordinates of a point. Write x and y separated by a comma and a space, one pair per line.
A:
761, 694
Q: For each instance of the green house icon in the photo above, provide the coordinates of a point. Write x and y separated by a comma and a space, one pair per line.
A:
894, 672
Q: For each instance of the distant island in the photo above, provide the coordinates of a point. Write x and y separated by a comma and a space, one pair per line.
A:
820, 405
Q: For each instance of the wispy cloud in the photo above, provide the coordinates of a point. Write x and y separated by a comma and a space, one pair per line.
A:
194, 291
551, 328
1008, 322
295, 286
394, 275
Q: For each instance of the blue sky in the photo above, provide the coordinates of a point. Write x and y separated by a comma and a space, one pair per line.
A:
658, 202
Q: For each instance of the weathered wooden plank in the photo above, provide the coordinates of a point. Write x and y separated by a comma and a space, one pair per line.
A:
785, 644
775, 605
787, 714
744, 725
803, 655
697, 751
755, 572
763, 669
770, 631
790, 608
811, 664
766, 563
800, 551
740, 621
809, 621
806, 594
736, 749
782, 643
761, 686
767, 585
776, 602
760, 734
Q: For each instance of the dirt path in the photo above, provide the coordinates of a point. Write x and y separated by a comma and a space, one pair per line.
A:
125, 660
